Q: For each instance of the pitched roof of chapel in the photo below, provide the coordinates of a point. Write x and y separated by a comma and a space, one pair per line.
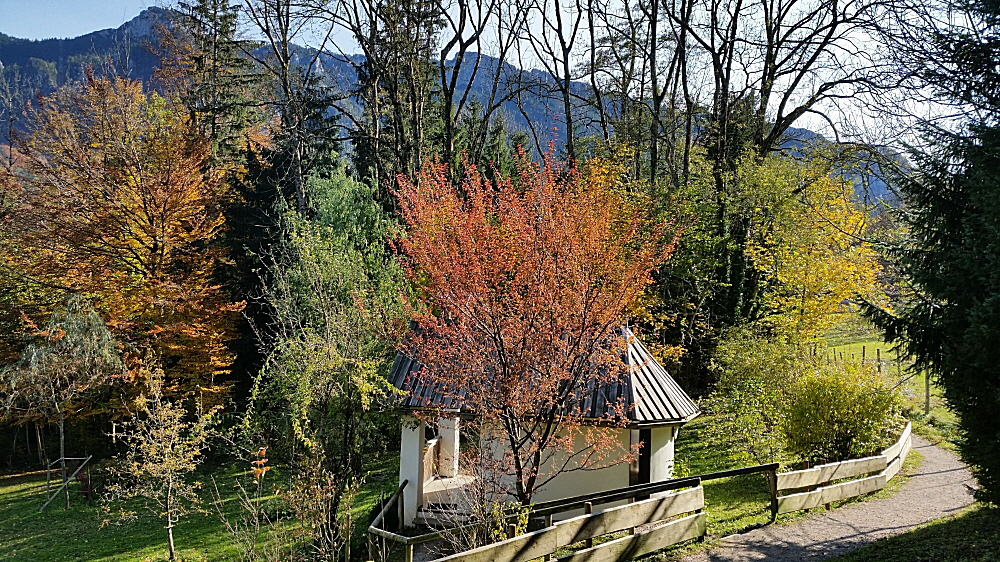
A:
650, 395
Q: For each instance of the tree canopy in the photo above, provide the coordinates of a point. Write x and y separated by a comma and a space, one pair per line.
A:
524, 283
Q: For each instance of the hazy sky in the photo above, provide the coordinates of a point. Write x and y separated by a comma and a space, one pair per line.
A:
42, 19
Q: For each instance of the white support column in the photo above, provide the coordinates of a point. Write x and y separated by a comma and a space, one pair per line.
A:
411, 468
661, 461
448, 429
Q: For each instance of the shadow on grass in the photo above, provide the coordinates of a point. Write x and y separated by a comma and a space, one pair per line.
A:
737, 505
972, 536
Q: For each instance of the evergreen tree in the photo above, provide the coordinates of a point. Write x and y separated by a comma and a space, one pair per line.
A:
952, 321
220, 77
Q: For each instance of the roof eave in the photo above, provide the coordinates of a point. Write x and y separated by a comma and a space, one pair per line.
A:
660, 423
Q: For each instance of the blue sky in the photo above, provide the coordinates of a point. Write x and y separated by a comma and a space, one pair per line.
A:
42, 19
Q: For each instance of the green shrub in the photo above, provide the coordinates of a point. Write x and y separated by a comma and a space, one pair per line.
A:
755, 378
840, 412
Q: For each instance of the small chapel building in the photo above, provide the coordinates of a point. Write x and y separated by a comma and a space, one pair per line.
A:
656, 407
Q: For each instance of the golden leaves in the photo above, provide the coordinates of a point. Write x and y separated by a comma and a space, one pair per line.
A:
813, 245
117, 201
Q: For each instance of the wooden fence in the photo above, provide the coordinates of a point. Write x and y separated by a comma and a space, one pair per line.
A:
547, 541
812, 486
877, 471
649, 508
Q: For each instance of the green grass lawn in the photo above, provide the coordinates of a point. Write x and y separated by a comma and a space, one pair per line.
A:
854, 340
734, 504
970, 536
77, 534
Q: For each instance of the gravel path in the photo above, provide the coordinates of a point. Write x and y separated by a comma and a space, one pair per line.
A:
937, 488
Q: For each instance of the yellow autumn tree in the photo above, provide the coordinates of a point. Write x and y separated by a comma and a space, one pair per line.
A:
810, 244
114, 199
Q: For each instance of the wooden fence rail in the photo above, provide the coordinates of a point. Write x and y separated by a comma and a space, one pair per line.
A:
546, 509
885, 465
584, 527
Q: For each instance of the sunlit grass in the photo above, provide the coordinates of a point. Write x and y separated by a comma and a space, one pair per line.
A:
77, 534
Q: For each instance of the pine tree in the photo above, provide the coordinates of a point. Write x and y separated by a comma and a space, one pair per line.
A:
220, 77
952, 321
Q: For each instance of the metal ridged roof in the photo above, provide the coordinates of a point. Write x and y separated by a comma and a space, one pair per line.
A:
650, 394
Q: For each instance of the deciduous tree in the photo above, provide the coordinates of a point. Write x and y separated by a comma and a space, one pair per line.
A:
334, 289
115, 200
75, 354
525, 282
164, 446
809, 241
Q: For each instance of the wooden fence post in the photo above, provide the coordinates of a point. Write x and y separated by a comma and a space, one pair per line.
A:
772, 484
548, 523
588, 508
409, 552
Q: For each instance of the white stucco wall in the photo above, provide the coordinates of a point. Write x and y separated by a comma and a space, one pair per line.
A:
564, 485
450, 431
577, 482
661, 462
411, 467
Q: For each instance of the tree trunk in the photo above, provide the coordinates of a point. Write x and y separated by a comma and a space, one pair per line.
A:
170, 522
170, 539
62, 457
43, 458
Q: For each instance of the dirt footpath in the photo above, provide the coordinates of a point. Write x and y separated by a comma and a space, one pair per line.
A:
938, 488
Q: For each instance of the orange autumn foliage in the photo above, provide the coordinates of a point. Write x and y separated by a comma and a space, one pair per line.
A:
525, 285
115, 201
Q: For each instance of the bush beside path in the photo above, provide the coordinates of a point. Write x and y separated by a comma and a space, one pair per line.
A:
939, 487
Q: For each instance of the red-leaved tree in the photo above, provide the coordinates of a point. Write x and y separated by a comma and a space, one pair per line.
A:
525, 283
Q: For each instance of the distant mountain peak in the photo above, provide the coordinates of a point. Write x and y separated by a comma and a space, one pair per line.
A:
144, 24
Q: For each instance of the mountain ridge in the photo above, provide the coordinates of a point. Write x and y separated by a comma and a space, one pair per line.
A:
45, 64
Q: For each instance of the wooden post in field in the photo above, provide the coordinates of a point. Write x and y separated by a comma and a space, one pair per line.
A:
862, 355
927, 392
588, 508
878, 359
